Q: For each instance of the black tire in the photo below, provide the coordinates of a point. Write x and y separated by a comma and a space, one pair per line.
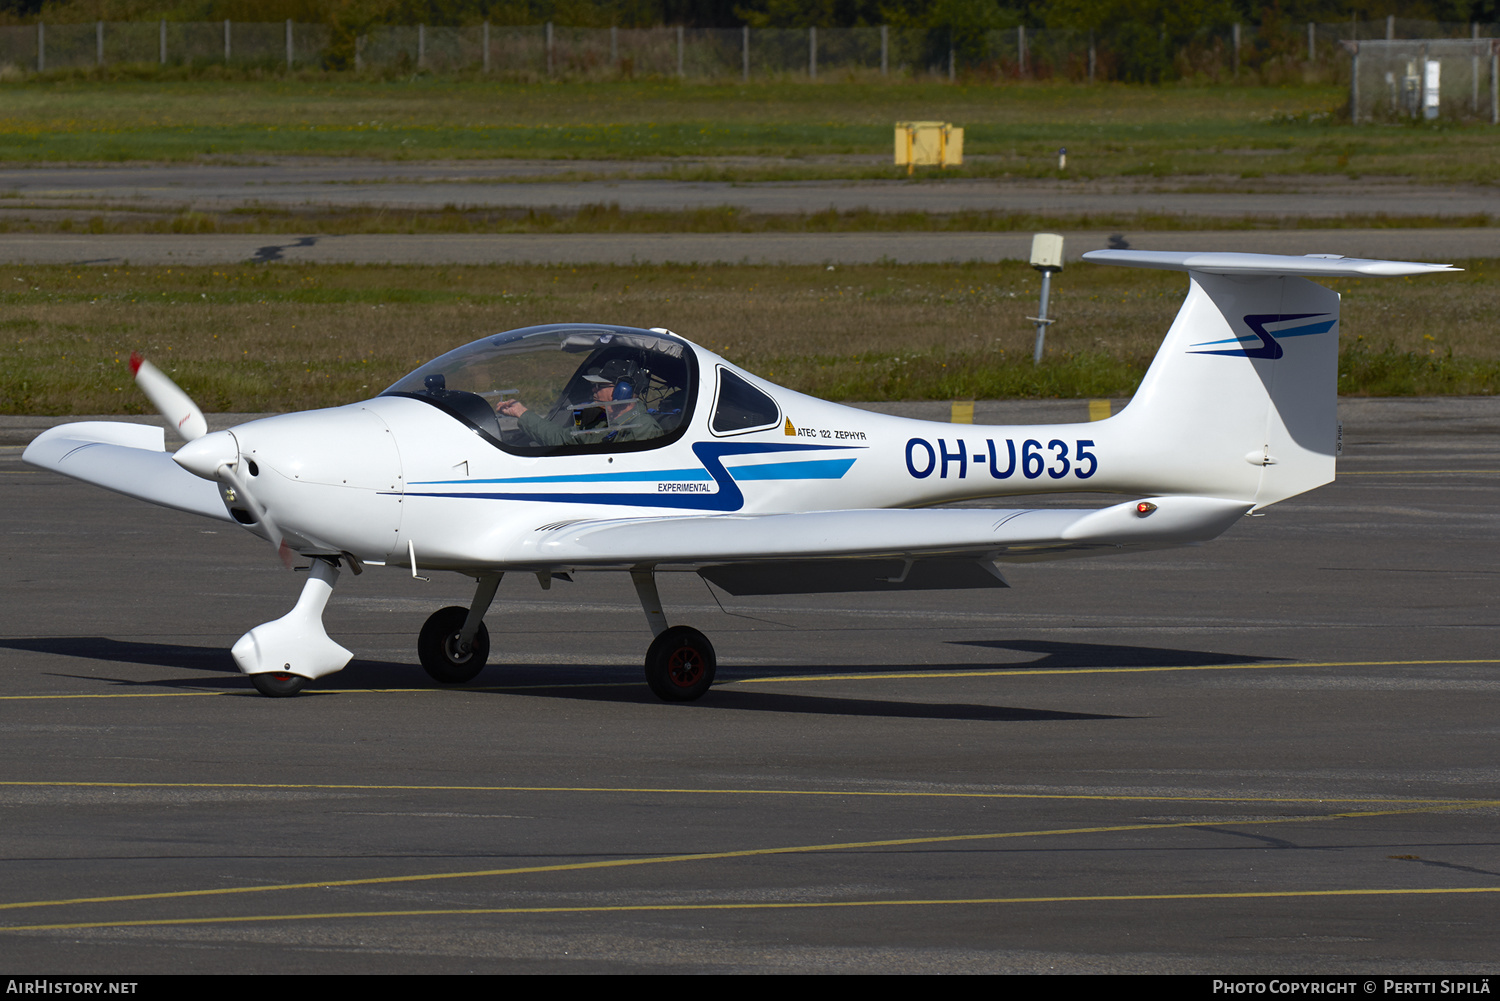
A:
680, 665
437, 646
278, 684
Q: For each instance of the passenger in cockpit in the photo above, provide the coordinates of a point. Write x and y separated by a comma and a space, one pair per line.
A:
614, 392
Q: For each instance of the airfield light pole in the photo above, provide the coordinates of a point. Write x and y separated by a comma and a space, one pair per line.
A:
1046, 257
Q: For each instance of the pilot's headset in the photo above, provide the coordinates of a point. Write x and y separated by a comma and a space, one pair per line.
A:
623, 373
626, 383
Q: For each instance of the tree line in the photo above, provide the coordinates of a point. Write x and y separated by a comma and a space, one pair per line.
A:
1171, 16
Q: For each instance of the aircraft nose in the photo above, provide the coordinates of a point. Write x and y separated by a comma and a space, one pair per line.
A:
330, 478
203, 456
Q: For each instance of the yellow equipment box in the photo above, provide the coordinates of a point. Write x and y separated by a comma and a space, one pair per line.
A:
928, 144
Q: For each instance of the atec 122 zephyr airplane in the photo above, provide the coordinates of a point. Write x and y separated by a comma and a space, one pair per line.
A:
571, 447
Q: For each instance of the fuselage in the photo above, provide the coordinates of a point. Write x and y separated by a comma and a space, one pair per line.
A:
401, 476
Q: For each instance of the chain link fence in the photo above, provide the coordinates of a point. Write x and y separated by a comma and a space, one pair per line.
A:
1390, 79
49, 47
1122, 52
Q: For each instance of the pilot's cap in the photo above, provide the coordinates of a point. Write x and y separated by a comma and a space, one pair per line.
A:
611, 371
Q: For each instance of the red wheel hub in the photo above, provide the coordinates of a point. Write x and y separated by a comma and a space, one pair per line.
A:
684, 667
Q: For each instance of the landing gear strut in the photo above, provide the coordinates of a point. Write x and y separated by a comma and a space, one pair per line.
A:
680, 662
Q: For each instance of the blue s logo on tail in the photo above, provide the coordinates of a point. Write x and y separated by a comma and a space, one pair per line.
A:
1268, 346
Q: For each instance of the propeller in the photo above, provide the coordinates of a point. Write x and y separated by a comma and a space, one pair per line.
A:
227, 473
175, 405
211, 456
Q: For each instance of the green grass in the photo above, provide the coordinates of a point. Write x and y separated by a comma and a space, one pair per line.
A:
696, 131
286, 337
1391, 372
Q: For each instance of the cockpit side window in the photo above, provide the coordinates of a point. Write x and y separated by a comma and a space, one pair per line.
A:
741, 407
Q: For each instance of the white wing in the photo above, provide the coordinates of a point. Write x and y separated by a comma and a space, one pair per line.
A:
830, 550
127, 458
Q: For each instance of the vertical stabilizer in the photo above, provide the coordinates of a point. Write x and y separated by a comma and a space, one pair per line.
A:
1241, 400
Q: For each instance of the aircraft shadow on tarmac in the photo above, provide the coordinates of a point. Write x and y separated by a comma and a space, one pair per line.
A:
214, 660
569, 681
1105, 655
202, 658
722, 697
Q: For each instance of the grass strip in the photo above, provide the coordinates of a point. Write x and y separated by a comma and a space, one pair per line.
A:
254, 338
757, 131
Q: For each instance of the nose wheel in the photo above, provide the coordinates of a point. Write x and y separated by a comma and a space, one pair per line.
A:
680, 664
278, 684
441, 652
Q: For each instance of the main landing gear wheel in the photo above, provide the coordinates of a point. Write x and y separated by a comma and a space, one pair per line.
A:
437, 646
278, 684
680, 664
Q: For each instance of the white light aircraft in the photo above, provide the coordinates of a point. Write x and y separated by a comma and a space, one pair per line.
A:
573, 447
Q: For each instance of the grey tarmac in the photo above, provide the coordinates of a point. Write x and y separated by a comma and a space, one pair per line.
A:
309, 183
472, 250
1272, 753
295, 183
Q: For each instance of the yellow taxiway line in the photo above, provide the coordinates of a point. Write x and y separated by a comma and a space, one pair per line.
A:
764, 906
715, 856
1021, 671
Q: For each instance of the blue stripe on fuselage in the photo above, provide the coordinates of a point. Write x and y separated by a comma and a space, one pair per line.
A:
816, 469
622, 477
710, 453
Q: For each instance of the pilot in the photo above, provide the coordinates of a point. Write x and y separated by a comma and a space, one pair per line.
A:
614, 391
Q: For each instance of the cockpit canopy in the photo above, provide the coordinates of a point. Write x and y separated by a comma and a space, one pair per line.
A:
564, 388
